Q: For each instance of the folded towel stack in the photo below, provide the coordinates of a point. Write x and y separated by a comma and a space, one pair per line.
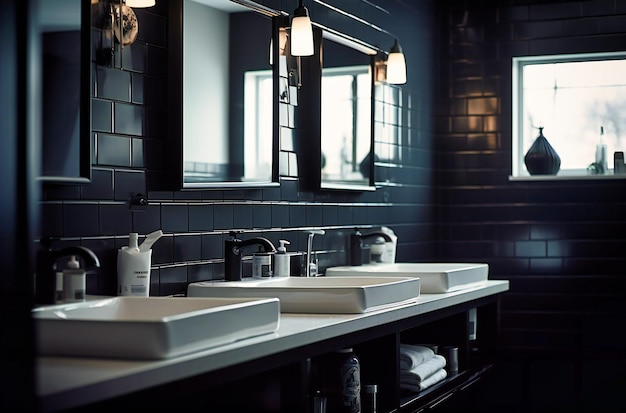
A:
420, 367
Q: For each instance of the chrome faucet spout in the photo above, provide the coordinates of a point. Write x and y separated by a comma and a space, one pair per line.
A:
309, 250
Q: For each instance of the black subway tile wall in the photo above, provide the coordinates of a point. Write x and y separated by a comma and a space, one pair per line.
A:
442, 184
561, 244
129, 124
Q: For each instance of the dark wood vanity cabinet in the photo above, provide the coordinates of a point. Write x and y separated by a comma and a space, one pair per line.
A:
283, 382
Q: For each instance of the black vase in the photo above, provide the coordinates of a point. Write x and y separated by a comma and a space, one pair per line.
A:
541, 158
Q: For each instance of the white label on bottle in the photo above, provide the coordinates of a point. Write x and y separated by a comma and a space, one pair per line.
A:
138, 290
261, 266
74, 287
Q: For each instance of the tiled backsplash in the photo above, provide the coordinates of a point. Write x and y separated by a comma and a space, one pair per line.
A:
129, 121
561, 243
448, 197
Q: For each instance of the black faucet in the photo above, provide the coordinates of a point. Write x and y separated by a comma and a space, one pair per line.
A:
356, 245
45, 276
232, 254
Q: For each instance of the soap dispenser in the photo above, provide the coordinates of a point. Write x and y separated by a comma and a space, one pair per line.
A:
281, 260
133, 265
73, 281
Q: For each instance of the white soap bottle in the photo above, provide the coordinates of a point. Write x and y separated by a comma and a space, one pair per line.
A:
73, 281
133, 269
281, 260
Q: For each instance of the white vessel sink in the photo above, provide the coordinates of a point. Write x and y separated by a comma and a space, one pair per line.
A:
150, 327
336, 295
435, 277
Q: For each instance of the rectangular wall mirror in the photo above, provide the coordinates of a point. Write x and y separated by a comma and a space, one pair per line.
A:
346, 113
62, 63
224, 104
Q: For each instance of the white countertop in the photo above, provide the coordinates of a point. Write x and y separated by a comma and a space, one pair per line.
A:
64, 382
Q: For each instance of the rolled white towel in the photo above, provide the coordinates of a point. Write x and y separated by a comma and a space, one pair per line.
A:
412, 356
422, 371
415, 387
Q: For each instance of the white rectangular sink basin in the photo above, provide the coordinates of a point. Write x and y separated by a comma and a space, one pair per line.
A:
435, 277
150, 327
336, 295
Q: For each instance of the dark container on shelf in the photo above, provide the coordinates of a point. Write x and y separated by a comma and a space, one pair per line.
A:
541, 158
339, 380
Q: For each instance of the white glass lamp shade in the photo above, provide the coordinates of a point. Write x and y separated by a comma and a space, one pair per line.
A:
301, 32
396, 66
140, 3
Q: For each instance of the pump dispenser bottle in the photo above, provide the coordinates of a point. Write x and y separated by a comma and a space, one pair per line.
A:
73, 281
281, 260
133, 269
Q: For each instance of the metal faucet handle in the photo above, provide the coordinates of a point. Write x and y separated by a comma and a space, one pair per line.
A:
316, 232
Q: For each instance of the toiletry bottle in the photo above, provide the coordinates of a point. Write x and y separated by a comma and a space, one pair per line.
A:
370, 402
618, 163
281, 260
73, 281
58, 298
262, 264
313, 266
341, 381
601, 155
133, 269
377, 249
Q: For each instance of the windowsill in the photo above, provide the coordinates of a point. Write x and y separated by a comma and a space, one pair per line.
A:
566, 177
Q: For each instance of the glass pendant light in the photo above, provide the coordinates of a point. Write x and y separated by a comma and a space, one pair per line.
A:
396, 65
301, 32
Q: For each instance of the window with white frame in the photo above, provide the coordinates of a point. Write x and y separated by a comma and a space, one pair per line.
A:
579, 100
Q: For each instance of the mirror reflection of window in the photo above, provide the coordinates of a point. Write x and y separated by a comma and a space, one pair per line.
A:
227, 95
579, 100
205, 79
346, 121
258, 88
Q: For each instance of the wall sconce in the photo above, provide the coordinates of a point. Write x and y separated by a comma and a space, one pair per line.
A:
391, 68
125, 25
396, 65
290, 65
301, 32
140, 3
119, 23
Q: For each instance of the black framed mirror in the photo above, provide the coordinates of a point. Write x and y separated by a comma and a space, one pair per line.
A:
61, 59
223, 94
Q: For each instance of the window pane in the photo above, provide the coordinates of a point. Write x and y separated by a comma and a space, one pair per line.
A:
573, 101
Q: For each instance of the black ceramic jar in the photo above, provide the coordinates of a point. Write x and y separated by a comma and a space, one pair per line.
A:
541, 158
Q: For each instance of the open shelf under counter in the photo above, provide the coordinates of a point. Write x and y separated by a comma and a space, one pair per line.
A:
276, 363
436, 395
